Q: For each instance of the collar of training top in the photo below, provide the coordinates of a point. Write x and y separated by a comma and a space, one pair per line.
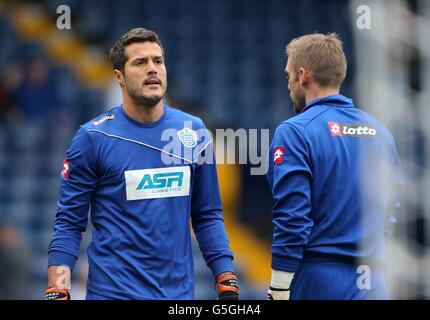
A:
145, 125
337, 100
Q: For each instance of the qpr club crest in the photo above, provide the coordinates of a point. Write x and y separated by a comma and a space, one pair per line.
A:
188, 137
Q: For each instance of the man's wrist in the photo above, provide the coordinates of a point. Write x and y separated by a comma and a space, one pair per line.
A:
59, 277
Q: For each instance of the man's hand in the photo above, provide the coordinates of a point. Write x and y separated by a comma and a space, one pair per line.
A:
57, 294
280, 285
227, 286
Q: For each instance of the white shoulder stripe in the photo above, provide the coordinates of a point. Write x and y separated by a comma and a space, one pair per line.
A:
150, 146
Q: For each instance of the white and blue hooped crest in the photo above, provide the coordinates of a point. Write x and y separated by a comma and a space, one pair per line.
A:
188, 137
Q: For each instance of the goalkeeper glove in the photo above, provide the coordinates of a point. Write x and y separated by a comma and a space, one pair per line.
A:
57, 294
227, 286
280, 285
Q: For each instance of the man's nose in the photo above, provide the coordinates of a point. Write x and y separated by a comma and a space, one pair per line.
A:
151, 68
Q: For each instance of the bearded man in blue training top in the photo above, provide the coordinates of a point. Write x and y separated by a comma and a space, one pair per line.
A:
140, 204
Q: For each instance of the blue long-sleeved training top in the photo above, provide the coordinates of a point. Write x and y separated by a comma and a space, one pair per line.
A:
335, 177
143, 184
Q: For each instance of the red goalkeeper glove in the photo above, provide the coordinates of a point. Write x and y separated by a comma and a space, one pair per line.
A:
227, 286
57, 294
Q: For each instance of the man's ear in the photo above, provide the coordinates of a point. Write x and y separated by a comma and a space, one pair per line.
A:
304, 76
119, 76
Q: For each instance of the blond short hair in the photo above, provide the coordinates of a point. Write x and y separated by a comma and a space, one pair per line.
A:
322, 55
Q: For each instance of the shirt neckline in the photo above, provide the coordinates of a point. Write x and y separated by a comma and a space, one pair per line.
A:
145, 125
336, 99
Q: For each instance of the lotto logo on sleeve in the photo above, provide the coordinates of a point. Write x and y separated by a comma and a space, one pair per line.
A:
278, 155
157, 183
351, 130
66, 169
335, 129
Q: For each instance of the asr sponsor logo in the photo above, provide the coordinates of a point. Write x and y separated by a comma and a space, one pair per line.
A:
161, 180
157, 183
352, 130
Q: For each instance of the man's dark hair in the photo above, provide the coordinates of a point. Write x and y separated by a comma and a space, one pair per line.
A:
117, 55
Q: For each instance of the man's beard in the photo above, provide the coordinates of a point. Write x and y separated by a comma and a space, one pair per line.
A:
135, 93
145, 100
299, 102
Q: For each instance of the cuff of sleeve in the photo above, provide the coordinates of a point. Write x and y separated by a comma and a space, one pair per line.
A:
221, 265
59, 258
285, 264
